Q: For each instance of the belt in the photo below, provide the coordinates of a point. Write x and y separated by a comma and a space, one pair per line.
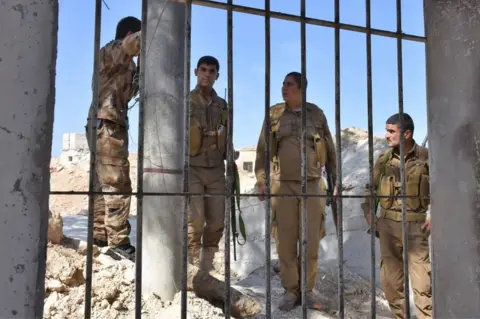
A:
397, 216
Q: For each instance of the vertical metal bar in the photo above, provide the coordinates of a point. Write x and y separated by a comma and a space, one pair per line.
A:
268, 285
370, 160
93, 151
304, 210
341, 301
140, 157
406, 290
230, 159
186, 112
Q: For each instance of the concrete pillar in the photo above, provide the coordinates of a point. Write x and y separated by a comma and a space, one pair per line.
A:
28, 53
453, 80
163, 148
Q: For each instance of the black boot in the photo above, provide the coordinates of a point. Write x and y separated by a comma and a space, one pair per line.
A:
126, 251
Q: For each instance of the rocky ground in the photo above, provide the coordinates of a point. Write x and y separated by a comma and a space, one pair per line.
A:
113, 281
113, 290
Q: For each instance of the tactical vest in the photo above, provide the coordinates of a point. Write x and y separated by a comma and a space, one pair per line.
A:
319, 141
417, 182
198, 134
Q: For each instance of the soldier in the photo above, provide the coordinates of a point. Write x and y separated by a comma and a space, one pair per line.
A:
117, 88
285, 155
208, 125
389, 225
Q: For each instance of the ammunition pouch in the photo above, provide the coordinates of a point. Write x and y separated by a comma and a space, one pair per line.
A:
320, 149
195, 137
418, 185
221, 134
387, 188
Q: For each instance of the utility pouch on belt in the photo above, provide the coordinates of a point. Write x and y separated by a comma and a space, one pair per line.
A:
320, 149
195, 137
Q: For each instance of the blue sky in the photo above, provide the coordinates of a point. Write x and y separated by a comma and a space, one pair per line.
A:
209, 29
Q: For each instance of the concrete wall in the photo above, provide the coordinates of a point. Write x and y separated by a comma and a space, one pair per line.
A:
28, 52
453, 81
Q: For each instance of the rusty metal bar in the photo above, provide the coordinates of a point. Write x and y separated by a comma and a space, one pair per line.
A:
186, 163
406, 290
304, 209
140, 157
268, 284
230, 159
313, 21
93, 150
373, 213
338, 137
219, 194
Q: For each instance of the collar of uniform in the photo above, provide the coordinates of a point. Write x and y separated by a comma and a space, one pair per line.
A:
197, 90
308, 107
412, 151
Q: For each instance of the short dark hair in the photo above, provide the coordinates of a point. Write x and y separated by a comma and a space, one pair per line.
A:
127, 24
297, 76
407, 121
208, 60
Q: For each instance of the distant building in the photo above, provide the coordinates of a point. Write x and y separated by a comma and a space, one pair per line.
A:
246, 159
74, 148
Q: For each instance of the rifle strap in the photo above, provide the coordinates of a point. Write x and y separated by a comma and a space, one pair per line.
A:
237, 199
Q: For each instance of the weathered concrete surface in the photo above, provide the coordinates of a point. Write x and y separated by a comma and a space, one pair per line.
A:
162, 224
28, 52
453, 80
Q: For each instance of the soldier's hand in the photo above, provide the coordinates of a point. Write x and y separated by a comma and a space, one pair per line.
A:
426, 225
261, 191
335, 191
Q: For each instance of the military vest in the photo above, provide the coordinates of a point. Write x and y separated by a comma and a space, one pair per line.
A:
318, 138
417, 182
208, 131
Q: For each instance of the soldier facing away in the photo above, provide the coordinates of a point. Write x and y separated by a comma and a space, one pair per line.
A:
387, 182
117, 88
285, 156
208, 138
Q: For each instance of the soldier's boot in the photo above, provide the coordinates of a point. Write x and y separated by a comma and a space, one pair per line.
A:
194, 256
206, 258
313, 301
288, 302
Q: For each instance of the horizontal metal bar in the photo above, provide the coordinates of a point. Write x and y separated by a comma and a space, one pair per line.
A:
224, 194
312, 21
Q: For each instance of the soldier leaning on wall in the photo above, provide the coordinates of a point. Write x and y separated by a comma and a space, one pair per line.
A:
117, 87
389, 224
285, 156
208, 139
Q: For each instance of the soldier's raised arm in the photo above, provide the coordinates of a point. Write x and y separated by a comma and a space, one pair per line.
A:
131, 44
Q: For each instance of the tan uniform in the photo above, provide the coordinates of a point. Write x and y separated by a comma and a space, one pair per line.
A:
117, 70
389, 226
285, 145
208, 116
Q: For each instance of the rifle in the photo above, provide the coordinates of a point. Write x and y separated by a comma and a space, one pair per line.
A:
332, 201
233, 199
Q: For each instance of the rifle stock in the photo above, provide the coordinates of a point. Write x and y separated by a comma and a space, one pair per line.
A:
332, 201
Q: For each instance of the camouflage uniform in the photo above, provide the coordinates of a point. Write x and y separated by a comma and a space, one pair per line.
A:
117, 70
285, 153
208, 116
389, 227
